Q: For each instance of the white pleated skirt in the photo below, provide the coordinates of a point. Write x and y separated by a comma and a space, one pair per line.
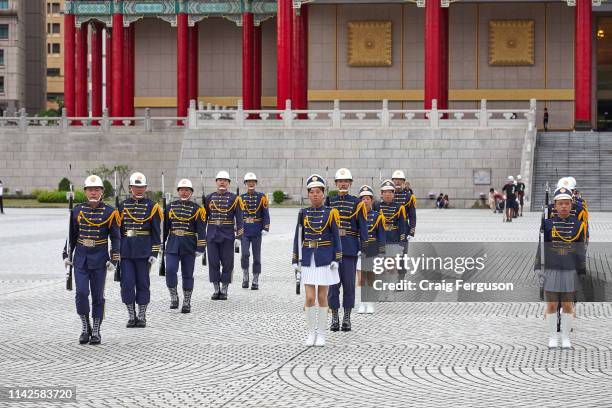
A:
319, 275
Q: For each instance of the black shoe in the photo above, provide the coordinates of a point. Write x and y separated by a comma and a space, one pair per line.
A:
95, 339
215, 296
131, 323
86, 332
84, 337
245, 284
141, 322
335, 322
222, 296
174, 304
346, 320
254, 286
186, 309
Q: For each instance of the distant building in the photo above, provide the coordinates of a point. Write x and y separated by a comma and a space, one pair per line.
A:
55, 53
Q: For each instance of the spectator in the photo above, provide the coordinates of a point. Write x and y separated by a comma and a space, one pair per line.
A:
1, 202
546, 119
440, 201
510, 193
495, 198
445, 200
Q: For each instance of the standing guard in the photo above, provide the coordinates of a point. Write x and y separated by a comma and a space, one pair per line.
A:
185, 232
256, 218
404, 197
224, 226
93, 224
395, 221
353, 232
317, 241
141, 241
564, 261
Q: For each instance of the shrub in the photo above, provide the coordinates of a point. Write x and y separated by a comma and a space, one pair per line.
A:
332, 193
278, 197
59, 197
108, 189
37, 191
64, 185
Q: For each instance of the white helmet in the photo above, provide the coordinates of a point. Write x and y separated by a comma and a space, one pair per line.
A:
566, 182
510, 178
184, 183
138, 179
572, 182
519, 177
343, 174
93, 181
223, 175
250, 177
398, 174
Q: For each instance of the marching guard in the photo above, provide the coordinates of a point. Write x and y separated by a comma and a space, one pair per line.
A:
140, 245
353, 232
404, 197
395, 221
185, 240
93, 224
373, 247
317, 253
256, 218
224, 214
564, 261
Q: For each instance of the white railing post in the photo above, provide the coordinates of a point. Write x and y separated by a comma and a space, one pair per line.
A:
483, 115
336, 115
23, 119
239, 118
434, 117
385, 117
531, 116
105, 122
288, 115
63, 121
192, 115
148, 125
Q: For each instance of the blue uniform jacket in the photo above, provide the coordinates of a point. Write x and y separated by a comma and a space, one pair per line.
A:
377, 237
140, 228
90, 232
320, 236
405, 198
255, 213
564, 244
579, 210
353, 224
185, 228
394, 216
224, 217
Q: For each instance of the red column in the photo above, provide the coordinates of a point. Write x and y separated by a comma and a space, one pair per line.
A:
69, 55
181, 65
283, 52
433, 52
194, 53
299, 59
443, 102
583, 75
96, 70
257, 67
109, 69
247, 60
128, 71
117, 68
81, 71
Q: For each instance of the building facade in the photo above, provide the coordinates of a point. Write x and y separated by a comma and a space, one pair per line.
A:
164, 53
55, 53
22, 56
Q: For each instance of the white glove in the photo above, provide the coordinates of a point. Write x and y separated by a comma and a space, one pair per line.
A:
264, 232
358, 264
333, 266
199, 254
296, 267
152, 260
236, 244
110, 267
67, 262
540, 276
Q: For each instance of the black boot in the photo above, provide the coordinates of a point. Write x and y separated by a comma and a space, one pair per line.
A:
131, 307
174, 299
217, 293
186, 301
141, 321
223, 294
245, 278
335, 323
95, 333
85, 329
255, 284
346, 320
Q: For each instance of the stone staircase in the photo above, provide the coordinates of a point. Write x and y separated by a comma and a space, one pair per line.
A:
587, 156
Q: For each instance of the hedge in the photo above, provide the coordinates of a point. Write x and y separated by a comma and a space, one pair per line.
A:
59, 197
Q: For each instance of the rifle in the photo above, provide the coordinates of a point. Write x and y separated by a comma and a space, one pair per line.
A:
70, 197
117, 277
162, 264
236, 245
542, 250
203, 205
298, 273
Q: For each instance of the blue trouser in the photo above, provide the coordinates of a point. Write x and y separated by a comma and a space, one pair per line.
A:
245, 244
187, 264
221, 254
347, 271
86, 278
135, 281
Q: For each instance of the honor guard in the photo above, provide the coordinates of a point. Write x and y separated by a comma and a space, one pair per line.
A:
92, 225
403, 196
140, 244
564, 261
579, 208
224, 226
395, 220
373, 247
520, 192
185, 232
353, 232
256, 218
317, 252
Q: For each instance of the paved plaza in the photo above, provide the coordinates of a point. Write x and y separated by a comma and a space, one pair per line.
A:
247, 351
